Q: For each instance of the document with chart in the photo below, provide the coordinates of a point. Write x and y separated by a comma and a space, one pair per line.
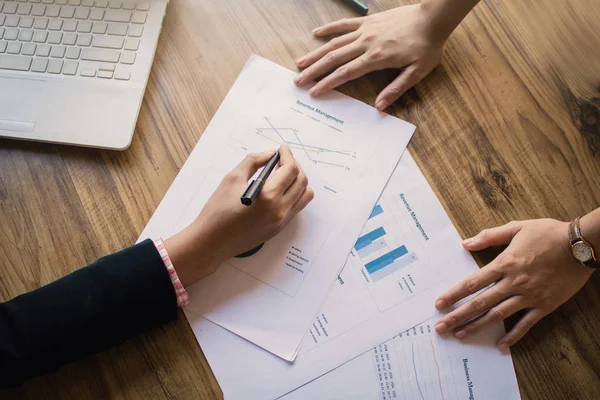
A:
348, 150
408, 254
419, 364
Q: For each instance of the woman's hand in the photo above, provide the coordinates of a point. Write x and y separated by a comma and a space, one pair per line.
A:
536, 272
225, 227
403, 37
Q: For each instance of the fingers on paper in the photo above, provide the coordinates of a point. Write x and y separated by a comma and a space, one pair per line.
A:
470, 285
475, 307
494, 315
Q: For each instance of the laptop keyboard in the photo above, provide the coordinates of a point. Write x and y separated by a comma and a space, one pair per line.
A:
87, 38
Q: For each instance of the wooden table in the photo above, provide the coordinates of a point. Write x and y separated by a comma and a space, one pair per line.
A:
508, 128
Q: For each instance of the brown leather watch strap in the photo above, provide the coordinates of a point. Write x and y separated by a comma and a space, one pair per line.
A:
573, 231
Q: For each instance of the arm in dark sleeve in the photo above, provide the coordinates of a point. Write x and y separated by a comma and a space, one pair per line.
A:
85, 312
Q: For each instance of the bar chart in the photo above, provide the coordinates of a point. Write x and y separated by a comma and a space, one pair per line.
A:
388, 259
389, 254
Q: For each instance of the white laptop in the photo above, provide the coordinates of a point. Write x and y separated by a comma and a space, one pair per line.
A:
74, 71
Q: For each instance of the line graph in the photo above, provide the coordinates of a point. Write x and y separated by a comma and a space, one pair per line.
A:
414, 365
333, 160
314, 153
415, 369
438, 369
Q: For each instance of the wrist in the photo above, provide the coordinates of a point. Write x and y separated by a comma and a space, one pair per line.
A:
192, 255
443, 16
590, 228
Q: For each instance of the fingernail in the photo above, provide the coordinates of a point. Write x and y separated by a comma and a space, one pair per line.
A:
460, 334
440, 304
301, 61
440, 327
314, 91
468, 241
298, 79
269, 151
503, 346
316, 31
381, 105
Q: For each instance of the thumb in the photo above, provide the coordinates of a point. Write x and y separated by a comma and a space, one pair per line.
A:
253, 162
497, 236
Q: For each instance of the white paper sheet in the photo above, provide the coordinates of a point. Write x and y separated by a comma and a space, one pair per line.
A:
348, 151
361, 311
418, 364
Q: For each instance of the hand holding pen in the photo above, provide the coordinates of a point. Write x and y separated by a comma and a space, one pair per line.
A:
229, 228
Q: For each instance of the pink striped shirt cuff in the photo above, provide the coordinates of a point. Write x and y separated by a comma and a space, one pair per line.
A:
182, 297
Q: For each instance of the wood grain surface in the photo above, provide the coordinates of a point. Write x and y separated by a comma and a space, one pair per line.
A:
508, 128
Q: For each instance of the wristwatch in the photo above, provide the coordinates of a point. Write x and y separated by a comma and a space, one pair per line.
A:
582, 250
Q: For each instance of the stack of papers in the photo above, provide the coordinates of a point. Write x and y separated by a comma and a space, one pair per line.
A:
273, 322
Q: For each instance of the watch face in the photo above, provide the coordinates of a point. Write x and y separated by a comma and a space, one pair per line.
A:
582, 251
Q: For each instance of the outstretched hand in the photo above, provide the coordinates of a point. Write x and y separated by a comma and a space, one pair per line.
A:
536, 273
402, 37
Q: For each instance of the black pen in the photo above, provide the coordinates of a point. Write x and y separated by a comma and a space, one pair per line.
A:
256, 185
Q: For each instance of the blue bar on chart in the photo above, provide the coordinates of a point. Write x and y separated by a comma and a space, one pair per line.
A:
393, 267
372, 248
376, 211
368, 238
386, 259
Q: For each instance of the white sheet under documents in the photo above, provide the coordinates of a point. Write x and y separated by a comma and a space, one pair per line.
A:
408, 254
420, 365
348, 150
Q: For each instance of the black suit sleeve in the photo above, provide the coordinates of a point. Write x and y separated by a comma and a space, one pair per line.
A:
85, 312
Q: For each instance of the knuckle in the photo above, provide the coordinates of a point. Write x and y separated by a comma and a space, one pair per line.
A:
484, 234
471, 284
295, 169
230, 178
268, 196
332, 57
509, 260
522, 280
374, 55
280, 217
497, 314
251, 158
343, 72
451, 320
369, 37
336, 43
394, 91
303, 180
479, 304
511, 224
